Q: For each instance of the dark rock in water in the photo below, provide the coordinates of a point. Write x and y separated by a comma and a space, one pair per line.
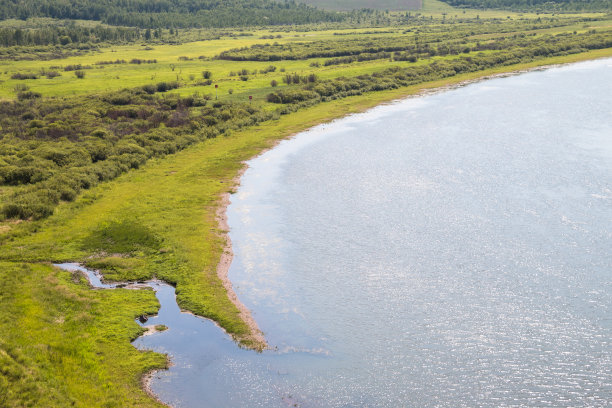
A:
143, 318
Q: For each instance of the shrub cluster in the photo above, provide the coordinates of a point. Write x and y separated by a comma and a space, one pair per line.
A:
53, 149
139, 61
397, 76
77, 67
299, 79
427, 40
24, 75
115, 62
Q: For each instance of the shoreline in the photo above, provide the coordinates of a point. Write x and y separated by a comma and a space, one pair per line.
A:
257, 336
146, 379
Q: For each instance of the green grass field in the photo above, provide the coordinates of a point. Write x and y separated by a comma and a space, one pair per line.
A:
71, 346
163, 214
170, 67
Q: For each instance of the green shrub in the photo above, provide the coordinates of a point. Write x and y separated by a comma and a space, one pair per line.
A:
167, 86
13, 175
124, 147
291, 96
28, 95
24, 75
150, 89
25, 211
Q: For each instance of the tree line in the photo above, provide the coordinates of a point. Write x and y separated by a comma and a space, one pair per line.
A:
65, 35
171, 13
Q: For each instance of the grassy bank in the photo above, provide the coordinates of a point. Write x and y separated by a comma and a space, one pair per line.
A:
155, 221
63, 344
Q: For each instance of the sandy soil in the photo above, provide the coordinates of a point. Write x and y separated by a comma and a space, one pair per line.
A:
256, 335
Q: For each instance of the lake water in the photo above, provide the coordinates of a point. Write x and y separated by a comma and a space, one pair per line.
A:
452, 250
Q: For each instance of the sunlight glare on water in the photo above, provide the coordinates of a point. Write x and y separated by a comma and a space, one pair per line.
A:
452, 250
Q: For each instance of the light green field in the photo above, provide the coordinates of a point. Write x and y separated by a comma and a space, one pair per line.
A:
103, 78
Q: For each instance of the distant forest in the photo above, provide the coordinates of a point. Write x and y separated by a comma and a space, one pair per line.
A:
560, 5
171, 13
67, 34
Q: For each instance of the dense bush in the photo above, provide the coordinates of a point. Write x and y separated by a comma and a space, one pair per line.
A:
24, 75
299, 79
139, 61
167, 86
53, 149
28, 95
292, 96
77, 67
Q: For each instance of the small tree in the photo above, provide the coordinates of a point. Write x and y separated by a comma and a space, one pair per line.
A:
206, 74
79, 74
274, 83
21, 88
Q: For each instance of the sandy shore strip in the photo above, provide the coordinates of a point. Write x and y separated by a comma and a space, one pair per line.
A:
256, 336
146, 383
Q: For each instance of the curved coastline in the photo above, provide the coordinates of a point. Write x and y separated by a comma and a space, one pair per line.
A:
430, 294
256, 340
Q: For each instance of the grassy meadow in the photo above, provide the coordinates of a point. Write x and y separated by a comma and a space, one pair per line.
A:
63, 344
185, 62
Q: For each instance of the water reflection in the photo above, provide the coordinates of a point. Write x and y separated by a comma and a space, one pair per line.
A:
451, 250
